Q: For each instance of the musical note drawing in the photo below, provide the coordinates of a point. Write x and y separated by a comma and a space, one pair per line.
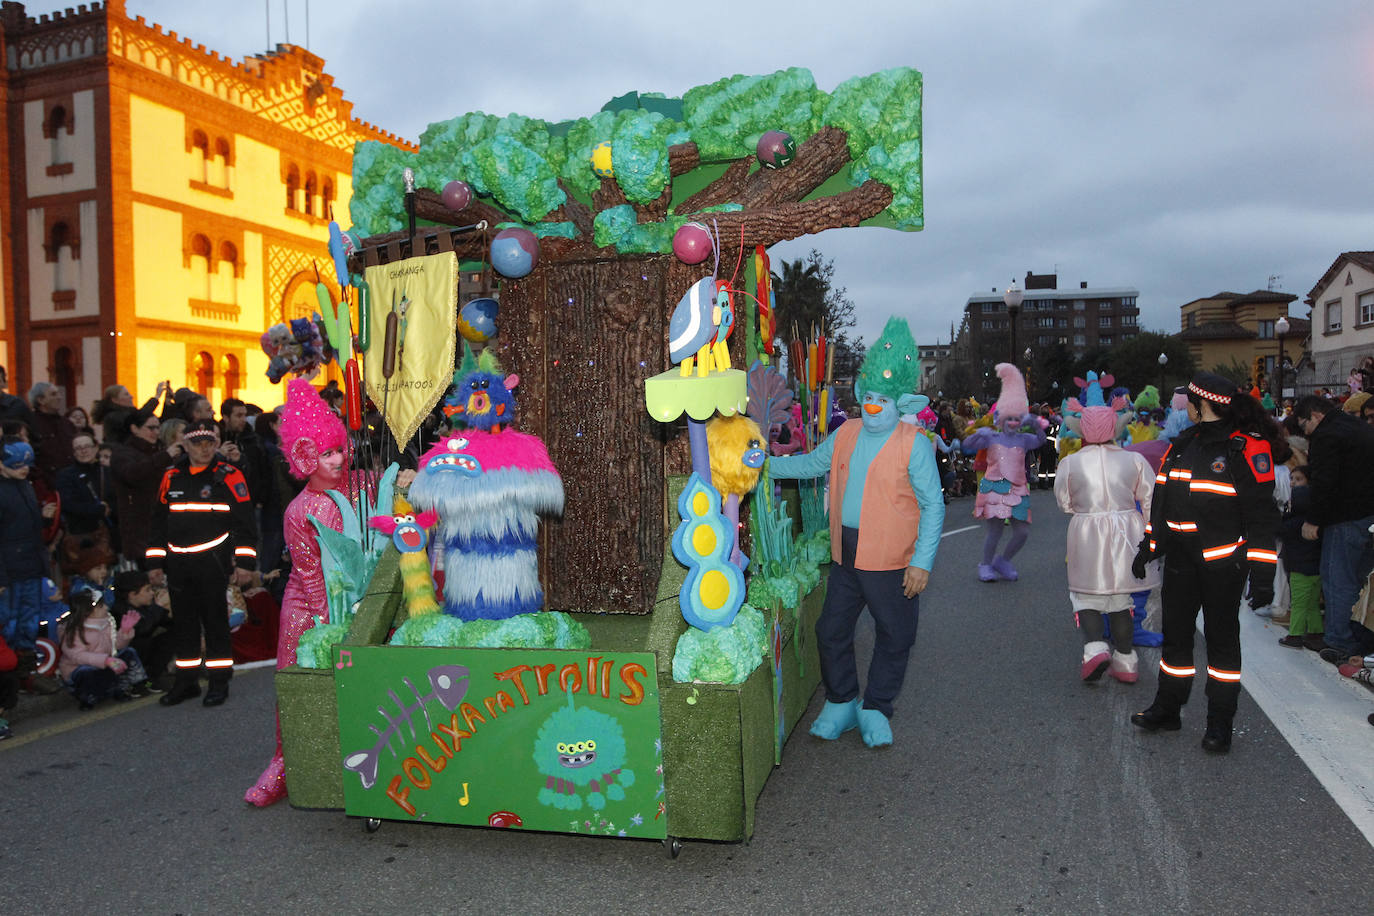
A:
345, 659
464, 800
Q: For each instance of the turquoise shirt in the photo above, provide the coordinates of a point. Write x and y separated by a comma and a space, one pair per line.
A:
925, 483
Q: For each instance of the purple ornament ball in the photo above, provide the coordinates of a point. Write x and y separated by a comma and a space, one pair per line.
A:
514, 252
456, 195
692, 243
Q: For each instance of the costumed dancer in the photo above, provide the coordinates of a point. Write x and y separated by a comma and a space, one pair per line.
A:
1213, 521
1099, 485
315, 443
886, 514
1002, 493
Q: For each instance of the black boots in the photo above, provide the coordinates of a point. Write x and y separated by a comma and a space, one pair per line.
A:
1157, 718
1217, 738
183, 689
216, 694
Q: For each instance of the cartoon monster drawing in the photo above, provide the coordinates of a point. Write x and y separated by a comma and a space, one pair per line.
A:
581, 750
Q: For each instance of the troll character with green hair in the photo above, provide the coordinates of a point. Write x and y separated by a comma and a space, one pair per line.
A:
886, 512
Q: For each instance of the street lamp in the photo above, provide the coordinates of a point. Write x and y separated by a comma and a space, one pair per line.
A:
1163, 361
1012, 297
1026, 356
1281, 326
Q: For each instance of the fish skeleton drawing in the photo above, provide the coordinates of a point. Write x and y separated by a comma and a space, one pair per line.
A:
448, 685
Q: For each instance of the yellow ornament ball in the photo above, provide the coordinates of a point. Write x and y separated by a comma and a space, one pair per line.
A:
601, 159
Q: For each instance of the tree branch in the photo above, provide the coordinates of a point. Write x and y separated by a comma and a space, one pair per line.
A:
790, 220
429, 205
819, 157
577, 212
721, 191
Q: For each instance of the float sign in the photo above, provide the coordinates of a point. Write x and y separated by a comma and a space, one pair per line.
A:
538, 739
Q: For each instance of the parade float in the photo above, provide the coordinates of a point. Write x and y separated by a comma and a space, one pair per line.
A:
617, 638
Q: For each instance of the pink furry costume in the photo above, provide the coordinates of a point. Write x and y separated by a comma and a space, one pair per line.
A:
1002, 493
1100, 486
308, 429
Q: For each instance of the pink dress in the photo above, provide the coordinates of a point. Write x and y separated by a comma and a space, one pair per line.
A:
305, 596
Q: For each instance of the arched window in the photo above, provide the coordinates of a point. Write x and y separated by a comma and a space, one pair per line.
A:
219, 167
293, 184
200, 267
326, 198
205, 373
62, 272
56, 130
310, 194
226, 274
64, 374
229, 367
200, 157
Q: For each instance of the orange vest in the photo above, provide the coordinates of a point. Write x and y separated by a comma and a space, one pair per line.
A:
891, 517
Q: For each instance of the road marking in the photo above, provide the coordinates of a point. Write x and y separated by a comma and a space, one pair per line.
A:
961, 530
85, 718
1319, 713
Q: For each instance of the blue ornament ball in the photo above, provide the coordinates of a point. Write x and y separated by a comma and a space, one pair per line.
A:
514, 252
477, 320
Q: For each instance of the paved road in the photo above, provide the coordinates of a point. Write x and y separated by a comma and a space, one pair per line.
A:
1012, 788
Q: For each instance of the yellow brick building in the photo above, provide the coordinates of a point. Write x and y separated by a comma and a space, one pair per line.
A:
163, 205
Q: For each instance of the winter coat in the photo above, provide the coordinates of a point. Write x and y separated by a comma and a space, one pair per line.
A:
98, 640
22, 554
1341, 456
1299, 556
83, 491
138, 467
52, 446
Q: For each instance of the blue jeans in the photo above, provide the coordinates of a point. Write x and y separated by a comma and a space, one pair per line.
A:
1347, 558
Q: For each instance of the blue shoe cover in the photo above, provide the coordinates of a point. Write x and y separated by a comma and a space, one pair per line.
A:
875, 728
836, 719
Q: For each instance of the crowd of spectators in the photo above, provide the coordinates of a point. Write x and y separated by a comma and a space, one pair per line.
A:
78, 491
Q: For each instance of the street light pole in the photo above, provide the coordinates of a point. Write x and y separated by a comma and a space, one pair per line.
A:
1281, 326
1163, 361
1012, 297
1027, 357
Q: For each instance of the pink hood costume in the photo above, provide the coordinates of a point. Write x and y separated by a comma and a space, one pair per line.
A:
308, 429
1100, 486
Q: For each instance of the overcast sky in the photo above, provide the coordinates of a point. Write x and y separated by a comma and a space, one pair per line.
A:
1180, 147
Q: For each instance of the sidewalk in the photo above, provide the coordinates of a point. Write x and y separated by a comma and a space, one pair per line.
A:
1322, 715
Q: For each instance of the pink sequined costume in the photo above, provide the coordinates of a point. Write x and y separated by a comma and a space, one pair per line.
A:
309, 429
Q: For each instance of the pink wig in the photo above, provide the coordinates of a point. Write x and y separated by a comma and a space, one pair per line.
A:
308, 428
1098, 425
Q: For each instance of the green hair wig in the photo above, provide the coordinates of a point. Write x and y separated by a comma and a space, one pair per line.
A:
893, 363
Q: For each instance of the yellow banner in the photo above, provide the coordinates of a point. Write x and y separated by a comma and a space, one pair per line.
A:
423, 292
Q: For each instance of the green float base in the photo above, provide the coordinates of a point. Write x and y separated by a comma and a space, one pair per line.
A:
718, 739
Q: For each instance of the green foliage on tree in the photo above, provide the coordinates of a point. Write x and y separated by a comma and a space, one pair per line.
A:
525, 167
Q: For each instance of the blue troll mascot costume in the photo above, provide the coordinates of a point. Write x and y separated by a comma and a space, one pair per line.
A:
886, 513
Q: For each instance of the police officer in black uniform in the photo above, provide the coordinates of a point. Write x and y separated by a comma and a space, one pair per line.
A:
1213, 521
203, 531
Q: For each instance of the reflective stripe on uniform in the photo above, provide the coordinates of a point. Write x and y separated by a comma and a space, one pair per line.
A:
188, 663
1231, 677
245, 552
200, 548
1262, 556
155, 552
1225, 550
1181, 526
1177, 672
198, 507
1211, 486
219, 663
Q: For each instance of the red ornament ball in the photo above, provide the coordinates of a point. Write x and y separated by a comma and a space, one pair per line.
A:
456, 195
776, 149
692, 243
